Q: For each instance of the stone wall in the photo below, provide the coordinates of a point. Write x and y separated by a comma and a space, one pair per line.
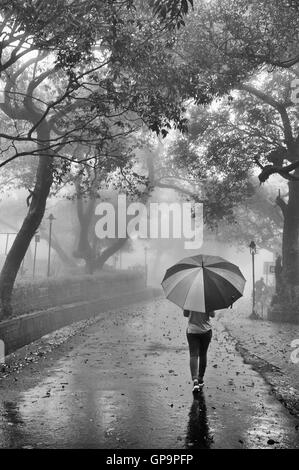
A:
42, 307
22, 330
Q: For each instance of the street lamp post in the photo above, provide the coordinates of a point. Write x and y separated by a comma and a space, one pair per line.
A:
6, 244
145, 266
252, 248
50, 218
37, 240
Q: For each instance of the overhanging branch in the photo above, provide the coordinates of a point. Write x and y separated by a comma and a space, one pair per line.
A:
284, 171
287, 128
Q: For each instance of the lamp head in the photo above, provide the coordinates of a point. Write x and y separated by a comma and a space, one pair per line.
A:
252, 248
51, 217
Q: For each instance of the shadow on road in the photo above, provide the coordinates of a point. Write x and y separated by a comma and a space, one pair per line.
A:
198, 433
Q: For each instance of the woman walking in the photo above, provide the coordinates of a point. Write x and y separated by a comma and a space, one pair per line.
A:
199, 335
199, 284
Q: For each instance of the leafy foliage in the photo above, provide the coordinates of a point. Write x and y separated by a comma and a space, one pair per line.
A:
215, 160
172, 12
257, 218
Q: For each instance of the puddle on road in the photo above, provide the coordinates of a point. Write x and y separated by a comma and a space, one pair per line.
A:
199, 434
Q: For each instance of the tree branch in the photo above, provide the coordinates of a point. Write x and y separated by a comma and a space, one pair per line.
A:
287, 128
283, 171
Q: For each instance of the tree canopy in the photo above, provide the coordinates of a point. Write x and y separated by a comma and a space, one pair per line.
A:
82, 80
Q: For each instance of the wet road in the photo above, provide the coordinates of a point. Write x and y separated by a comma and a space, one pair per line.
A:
124, 383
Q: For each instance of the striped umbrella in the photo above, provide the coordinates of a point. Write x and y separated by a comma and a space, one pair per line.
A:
203, 283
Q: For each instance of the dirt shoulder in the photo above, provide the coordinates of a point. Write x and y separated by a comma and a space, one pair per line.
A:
266, 346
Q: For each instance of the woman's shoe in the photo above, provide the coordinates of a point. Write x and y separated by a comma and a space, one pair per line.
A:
200, 383
195, 386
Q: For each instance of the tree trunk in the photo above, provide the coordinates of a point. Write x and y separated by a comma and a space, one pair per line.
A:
290, 243
63, 255
108, 252
85, 250
44, 179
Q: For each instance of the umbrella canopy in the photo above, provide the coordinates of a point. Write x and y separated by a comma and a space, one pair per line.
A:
203, 283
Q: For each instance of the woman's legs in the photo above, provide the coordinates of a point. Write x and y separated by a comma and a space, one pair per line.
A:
194, 367
198, 348
202, 366
194, 354
203, 350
